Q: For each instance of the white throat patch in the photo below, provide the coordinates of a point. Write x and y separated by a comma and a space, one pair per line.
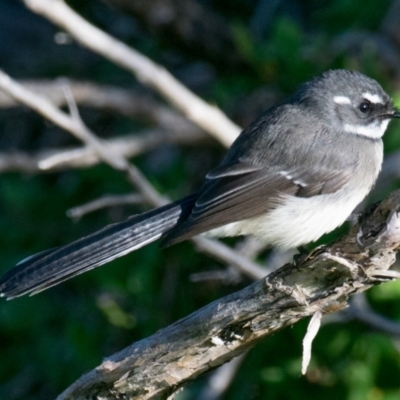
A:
374, 130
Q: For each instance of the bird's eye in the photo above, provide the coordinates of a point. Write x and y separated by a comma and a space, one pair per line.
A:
365, 107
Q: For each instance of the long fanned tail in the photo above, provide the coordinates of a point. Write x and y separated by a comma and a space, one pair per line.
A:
51, 267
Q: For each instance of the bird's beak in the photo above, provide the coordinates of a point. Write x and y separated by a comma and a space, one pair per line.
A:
396, 113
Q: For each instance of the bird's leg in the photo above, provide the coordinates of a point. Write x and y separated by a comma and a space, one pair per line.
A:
302, 255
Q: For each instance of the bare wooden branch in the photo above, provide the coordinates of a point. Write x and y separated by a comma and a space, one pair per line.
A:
48, 110
77, 128
208, 117
361, 311
232, 257
82, 157
128, 146
157, 366
103, 202
109, 98
90, 94
221, 379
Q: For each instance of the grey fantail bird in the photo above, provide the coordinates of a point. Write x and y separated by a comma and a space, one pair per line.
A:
295, 173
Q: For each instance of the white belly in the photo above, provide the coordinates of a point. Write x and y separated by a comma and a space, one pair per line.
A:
297, 220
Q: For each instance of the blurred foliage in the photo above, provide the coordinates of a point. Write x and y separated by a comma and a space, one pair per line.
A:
49, 340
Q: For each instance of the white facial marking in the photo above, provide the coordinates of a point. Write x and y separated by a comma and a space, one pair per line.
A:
373, 131
289, 177
299, 183
373, 98
286, 175
341, 100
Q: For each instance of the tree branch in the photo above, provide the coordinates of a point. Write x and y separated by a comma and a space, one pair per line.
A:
77, 128
104, 97
82, 157
103, 202
361, 311
157, 366
208, 117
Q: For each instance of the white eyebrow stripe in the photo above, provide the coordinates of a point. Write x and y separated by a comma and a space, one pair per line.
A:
373, 98
373, 131
341, 100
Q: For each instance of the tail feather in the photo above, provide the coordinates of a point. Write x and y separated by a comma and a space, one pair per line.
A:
46, 269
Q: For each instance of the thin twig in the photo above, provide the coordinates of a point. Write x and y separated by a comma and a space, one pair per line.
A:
103, 202
110, 98
78, 129
73, 108
87, 93
128, 146
219, 250
360, 310
220, 379
134, 175
228, 276
49, 111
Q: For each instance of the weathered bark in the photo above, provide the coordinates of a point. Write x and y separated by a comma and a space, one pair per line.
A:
155, 367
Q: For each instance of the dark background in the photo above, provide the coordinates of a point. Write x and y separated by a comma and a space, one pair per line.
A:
244, 56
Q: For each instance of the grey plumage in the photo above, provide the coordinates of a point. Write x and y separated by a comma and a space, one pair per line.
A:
290, 151
294, 174
54, 266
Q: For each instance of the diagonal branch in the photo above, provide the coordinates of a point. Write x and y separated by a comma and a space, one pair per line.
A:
57, 159
208, 117
157, 366
110, 98
105, 201
77, 128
